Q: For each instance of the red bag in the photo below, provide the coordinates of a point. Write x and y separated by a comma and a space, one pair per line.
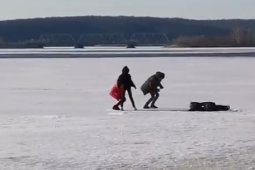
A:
116, 92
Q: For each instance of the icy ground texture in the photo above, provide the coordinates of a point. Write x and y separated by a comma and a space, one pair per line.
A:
55, 114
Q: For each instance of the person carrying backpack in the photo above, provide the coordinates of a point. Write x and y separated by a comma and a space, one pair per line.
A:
152, 85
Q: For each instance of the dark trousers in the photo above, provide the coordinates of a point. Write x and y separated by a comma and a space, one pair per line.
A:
123, 98
153, 99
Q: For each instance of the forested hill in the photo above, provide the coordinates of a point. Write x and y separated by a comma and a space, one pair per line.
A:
113, 30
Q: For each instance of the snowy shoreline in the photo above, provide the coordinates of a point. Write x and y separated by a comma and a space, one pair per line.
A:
117, 52
129, 55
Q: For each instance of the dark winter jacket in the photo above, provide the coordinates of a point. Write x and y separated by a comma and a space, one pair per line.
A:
152, 83
125, 81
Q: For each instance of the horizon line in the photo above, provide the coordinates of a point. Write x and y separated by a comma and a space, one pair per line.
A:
159, 17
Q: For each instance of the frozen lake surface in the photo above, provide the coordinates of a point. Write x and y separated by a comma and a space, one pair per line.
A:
56, 114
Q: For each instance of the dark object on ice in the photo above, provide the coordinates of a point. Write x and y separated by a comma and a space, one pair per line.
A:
207, 106
79, 45
131, 44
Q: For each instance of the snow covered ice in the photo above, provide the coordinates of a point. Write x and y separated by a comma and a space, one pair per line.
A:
56, 114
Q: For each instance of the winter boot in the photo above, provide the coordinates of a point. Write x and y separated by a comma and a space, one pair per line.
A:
115, 107
146, 107
154, 107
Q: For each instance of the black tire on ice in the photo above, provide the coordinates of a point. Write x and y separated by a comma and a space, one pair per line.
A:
209, 106
195, 106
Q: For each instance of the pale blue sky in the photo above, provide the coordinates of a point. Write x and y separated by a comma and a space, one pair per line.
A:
192, 9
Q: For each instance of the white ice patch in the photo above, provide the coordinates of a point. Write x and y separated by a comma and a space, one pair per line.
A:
119, 113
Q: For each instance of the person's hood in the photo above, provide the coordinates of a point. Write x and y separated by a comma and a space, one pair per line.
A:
125, 70
160, 75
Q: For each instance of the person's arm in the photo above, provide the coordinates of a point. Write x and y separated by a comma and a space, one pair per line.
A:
132, 83
160, 85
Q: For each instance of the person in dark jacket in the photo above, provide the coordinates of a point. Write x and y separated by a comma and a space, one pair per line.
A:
152, 85
125, 83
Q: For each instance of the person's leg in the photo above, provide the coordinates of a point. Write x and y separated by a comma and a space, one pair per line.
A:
156, 95
121, 102
131, 98
146, 106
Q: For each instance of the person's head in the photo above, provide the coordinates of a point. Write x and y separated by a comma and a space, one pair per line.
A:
160, 75
125, 70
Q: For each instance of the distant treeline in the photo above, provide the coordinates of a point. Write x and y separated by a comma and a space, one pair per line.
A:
237, 38
95, 30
